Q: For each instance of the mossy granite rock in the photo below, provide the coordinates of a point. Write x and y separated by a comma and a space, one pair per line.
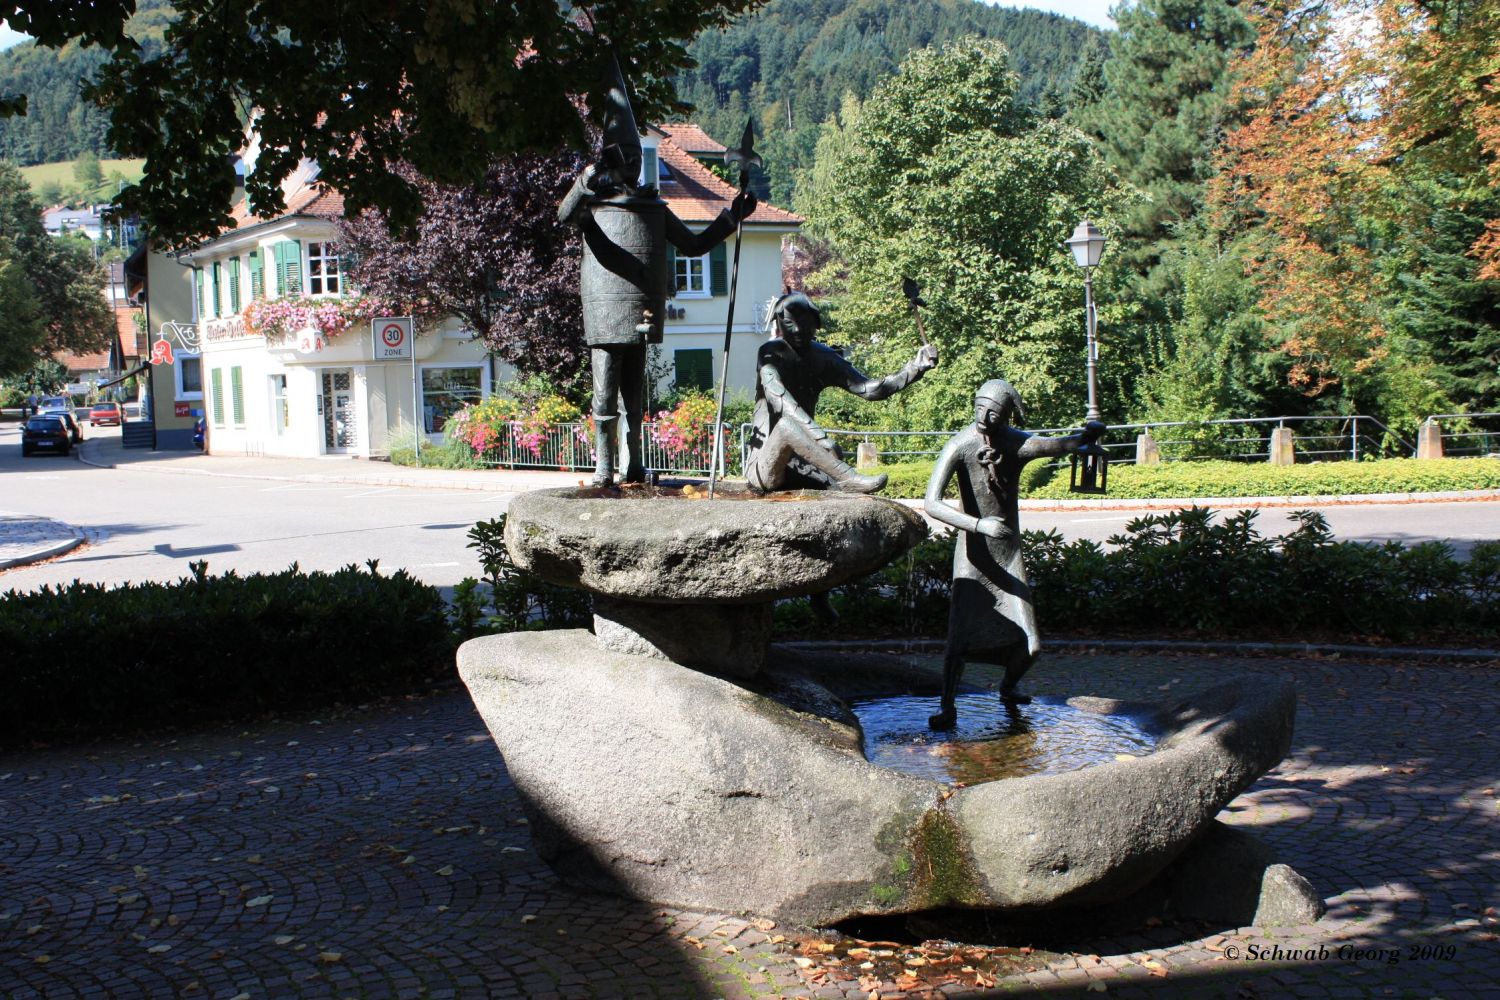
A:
693, 580
723, 551
645, 777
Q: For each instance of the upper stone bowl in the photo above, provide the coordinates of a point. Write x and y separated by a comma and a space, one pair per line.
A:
657, 546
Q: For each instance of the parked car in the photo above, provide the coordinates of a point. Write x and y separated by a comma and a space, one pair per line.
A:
75, 432
106, 414
42, 434
54, 404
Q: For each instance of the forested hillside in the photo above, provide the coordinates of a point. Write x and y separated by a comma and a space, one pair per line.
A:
58, 125
790, 64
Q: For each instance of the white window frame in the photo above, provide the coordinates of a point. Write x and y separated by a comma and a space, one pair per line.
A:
327, 259
181, 393
484, 387
701, 271
281, 411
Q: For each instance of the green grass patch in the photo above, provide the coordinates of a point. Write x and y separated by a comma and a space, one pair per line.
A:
61, 173
1186, 480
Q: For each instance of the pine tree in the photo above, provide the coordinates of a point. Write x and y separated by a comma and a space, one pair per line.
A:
1158, 120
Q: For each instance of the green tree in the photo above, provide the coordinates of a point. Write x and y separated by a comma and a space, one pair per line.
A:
443, 87
66, 283
87, 171
1158, 121
22, 332
790, 63
943, 175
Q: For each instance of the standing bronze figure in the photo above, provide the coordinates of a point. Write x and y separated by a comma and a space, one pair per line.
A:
624, 281
990, 617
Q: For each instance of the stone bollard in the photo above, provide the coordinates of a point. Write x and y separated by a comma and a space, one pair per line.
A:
1283, 450
1430, 440
866, 456
1146, 451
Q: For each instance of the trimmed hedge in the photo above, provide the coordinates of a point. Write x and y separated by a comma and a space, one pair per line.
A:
1186, 480
1186, 572
85, 659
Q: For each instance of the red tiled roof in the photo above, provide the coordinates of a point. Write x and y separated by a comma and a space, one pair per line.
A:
699, 195
308, 198
692, 139
96, 362
132, 341
696, 196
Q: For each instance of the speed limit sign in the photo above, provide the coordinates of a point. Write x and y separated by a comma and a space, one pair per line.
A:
392, 337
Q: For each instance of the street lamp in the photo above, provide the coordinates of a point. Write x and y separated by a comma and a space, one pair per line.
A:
1087, 244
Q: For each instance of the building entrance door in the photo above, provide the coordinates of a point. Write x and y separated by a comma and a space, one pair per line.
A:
340, 432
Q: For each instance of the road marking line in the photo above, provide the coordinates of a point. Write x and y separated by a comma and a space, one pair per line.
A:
370, 493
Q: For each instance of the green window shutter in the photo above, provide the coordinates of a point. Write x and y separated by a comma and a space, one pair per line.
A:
237, 394
347, 262
214, 293
718, 271
198, 292
671, 271
217, 388
289, 267
257, 275
695, 368
234, 285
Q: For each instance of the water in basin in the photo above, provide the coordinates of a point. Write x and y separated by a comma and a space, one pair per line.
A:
992, 740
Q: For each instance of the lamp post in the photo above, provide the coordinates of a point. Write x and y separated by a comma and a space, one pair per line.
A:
1087, 244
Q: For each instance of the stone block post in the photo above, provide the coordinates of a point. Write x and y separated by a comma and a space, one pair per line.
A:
866, 456
1283, 447
1146, 451
1430, 440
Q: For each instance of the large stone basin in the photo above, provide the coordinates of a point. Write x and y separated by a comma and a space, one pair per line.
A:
693, 580
644, 777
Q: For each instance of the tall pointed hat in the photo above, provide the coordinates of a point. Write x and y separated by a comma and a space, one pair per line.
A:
620, 129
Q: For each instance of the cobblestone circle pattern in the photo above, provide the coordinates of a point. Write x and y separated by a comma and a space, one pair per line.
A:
382, 852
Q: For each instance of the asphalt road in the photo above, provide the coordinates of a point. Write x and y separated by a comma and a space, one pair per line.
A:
145, 525
149, 525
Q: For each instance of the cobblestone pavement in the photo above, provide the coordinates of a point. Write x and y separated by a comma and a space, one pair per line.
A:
381, 852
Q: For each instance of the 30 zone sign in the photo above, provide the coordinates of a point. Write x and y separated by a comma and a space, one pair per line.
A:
393, 338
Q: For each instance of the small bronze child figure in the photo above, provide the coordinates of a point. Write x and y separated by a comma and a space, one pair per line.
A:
991, 618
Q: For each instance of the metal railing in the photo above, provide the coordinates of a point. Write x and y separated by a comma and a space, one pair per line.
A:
570, 447
1339, 437
1475, 433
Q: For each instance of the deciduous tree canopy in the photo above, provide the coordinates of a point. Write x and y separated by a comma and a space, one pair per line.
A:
360, 88
49, 284
494, 255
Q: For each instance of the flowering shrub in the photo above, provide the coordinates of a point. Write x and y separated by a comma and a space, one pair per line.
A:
479, 425
531, 430
485, 424
688, 427
329, 317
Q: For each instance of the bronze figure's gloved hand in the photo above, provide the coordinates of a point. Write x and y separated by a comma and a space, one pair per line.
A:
744, 205
927, 358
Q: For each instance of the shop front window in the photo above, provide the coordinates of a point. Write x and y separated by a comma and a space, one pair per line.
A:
445, 391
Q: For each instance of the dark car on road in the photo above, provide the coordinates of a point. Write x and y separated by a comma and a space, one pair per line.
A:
75, 432
45, 434
106, 414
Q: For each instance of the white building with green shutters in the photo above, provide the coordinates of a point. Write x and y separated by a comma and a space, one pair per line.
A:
273, 383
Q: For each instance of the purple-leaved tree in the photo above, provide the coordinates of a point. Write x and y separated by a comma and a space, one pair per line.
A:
493, 255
